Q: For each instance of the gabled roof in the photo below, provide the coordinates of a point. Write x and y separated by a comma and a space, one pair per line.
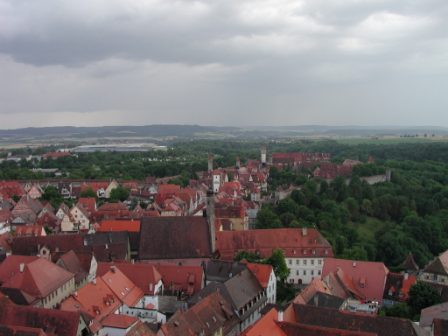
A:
174, 237
95, 298
38, 277
55, 322
364, 278
238, 290
126, 291
439, 265
409, 264
141, 274
70, 262
188, 279
262, 272
205, 318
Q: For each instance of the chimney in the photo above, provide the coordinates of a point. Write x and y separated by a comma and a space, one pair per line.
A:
211, 218
238, 162
263, 154
21, 267
304, 231
113, 268
354, 264
210, 162
280, 315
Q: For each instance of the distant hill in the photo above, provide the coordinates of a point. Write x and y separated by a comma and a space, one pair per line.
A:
210, 132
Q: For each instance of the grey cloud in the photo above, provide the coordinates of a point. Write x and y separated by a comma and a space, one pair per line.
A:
224, 61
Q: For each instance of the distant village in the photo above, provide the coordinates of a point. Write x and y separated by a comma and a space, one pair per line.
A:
162, 262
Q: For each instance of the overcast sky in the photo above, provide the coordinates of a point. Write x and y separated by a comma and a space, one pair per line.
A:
223, 62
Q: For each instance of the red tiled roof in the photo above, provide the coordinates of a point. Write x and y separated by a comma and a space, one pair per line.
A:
316, 286
261, 271
119, 321
119, 225
368, 278
89, 203
8, 189
95, 299
141, 274
294, 242
29, 230
188, 279
39, 277
123, 288
266, 325
56, 322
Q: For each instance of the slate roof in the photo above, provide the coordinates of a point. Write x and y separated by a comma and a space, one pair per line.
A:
221, 271
205, 318
333, 318
439, 265
409, 264
239, 291
174, 237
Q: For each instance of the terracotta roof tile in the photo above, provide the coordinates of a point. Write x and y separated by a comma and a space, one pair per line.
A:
365, 277
119, 321
141, 274
294, 242
119, 225
56, 322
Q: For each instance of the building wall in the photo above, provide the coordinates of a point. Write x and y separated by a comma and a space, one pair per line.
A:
271, 290
59, 295
434, 278
303, 270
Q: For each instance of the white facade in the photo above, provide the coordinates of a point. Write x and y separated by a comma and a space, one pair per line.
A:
303, 270
271, 289
81, 220
216, 182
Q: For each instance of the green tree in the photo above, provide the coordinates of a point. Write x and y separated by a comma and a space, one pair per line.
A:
119, 194
52, 195
422, 295
278, 262
266, 219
